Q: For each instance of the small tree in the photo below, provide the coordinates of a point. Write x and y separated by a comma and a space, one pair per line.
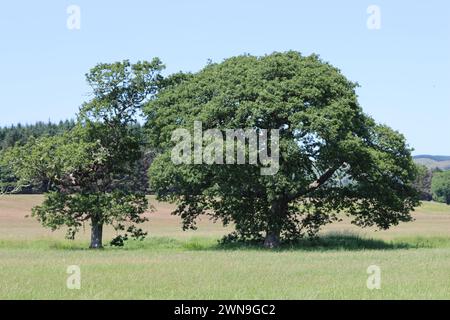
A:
440, 187
89, 167
333, 158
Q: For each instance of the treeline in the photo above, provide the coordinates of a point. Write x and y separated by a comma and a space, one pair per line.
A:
433, 184
19, 135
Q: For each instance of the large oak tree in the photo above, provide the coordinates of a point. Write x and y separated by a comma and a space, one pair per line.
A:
334, 159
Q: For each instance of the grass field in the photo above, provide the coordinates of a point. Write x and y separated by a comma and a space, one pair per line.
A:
414, 259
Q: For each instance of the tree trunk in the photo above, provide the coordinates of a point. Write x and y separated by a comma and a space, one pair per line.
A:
272, 240
96, 235
278, 211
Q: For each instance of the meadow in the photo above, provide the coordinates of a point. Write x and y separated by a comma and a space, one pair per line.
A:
414, 259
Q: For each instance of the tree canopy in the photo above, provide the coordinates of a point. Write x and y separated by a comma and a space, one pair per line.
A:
440, 186
88, 168
423, 182
18, 135
333, 158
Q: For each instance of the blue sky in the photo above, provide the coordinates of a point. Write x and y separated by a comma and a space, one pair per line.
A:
403, 68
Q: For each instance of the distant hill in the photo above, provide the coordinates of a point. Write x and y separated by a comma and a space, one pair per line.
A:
433, 162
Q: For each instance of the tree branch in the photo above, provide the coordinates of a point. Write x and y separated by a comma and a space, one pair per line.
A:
16, 189
316, 184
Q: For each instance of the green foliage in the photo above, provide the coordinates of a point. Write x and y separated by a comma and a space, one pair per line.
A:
440, 187
423, 182
333, 157
72, 210
8, 181
89, 168
20, 135
119, 90
49, 159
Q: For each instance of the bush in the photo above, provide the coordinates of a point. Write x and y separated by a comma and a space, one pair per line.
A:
440, 187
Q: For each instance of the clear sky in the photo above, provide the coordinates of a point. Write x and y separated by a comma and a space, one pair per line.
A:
403, 68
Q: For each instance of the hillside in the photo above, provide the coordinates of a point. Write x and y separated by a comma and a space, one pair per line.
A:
433, 162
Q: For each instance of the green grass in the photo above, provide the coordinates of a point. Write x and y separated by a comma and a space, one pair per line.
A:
164, 268
414, 260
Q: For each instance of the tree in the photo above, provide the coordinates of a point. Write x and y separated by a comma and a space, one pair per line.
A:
8, 182
333, 158
18, 136
423, 182
89, 167
440, 186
